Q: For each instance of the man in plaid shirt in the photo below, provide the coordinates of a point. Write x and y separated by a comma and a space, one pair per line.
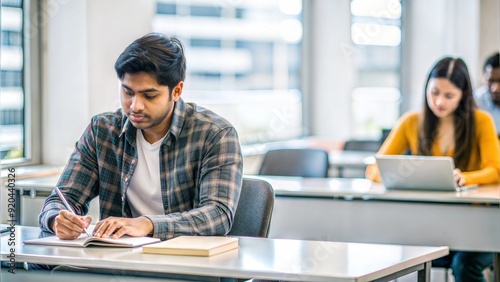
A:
161, 167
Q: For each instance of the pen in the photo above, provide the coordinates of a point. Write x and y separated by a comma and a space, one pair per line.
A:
68, 206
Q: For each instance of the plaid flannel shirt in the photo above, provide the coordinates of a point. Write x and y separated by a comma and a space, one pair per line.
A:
200, 172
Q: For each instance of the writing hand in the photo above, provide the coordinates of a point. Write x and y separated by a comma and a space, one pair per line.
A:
69, 226
459, 178
119, 226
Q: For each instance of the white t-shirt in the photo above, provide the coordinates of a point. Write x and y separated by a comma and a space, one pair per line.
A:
144, 192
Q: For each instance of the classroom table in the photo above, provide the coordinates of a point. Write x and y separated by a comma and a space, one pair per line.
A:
277, 259
30, 171
364, 212
356, 210
341, 160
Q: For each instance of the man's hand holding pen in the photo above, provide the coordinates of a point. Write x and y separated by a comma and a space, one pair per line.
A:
69, 226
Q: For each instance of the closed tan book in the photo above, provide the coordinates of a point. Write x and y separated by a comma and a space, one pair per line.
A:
193, 246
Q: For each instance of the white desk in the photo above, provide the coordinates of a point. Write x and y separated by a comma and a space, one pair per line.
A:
350, 159
290, 260
31, 171
354, 210
358, 159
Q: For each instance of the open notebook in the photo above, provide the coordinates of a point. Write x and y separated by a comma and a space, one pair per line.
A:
84, 241
418, 173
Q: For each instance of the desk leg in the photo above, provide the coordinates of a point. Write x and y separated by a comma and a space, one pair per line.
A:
340, 172
17, 197
496, 267
424, 275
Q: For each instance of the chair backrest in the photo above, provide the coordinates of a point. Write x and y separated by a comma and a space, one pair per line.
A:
385, 133
362, 145
255, 209
295, 162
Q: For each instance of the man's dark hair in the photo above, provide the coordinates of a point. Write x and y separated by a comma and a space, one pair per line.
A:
492, 61
156, 54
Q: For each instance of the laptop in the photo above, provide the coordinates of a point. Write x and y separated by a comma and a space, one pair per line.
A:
418, 173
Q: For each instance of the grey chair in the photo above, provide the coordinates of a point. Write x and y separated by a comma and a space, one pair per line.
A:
255, 209
362, 145
253, 215
303, 162
358, 145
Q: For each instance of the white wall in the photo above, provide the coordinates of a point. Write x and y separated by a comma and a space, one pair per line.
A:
65, 103
112, 25
434, 29
330, 72
82, 41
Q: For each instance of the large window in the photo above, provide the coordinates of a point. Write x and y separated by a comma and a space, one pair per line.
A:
376, 31
16, 82
12, 91
243, 61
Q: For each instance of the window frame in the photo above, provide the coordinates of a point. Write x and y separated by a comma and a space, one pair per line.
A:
31, 32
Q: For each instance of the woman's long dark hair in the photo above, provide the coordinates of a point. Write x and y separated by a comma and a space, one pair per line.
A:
455, 70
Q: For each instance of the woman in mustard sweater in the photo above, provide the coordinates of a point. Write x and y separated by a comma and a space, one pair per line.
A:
450, 125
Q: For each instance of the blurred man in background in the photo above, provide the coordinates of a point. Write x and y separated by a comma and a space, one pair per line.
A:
488, 96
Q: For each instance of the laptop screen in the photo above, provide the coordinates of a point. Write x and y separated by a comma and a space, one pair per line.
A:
417, 172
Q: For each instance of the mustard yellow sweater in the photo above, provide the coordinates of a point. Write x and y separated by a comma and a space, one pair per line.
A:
484, 164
